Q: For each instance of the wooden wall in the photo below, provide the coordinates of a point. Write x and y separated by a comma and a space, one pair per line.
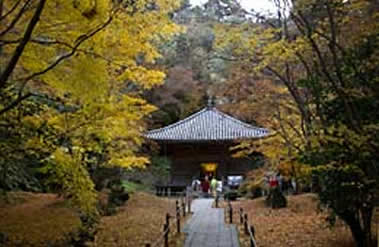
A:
187, 159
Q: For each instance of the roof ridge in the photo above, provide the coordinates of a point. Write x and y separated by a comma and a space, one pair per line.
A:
179, 122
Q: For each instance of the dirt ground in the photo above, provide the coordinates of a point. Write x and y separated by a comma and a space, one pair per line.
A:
139, 222
300, 224
34, 219
39, 220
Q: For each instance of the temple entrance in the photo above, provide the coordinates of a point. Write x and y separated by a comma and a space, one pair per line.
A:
199, 146
208, 169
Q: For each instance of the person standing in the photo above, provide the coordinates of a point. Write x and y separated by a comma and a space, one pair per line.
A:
213, 186
279, 178
219, 188
195, 184
205, 186
293, 184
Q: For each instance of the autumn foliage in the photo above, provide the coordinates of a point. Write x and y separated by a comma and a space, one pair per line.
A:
71, 91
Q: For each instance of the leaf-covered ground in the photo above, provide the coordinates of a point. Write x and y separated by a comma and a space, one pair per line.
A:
298, 225
32, 219
138, 222
38, 220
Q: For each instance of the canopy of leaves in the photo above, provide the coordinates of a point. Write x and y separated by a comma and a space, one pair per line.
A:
71, 84
329, 121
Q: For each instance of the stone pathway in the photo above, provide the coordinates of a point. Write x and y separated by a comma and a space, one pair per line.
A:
207, 228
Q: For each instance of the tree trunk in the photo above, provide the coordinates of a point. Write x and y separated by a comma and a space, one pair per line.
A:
358, 231
366, 218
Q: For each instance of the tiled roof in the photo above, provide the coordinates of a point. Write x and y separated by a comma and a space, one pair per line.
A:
209, 124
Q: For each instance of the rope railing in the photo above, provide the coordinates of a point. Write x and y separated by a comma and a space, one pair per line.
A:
248, 229
180, 213
164, 235
244, 221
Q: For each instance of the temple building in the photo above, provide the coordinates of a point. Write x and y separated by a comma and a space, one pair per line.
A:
200, 144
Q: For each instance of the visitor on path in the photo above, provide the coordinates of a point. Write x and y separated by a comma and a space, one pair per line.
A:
213, 186
266, 185
205, 186
279, 177
195, 184
273, 182
293, 184
219, 187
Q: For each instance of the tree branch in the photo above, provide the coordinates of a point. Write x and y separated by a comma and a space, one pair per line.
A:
15, 103
74, 49
20, 48
16, 18
2, 17
58, 42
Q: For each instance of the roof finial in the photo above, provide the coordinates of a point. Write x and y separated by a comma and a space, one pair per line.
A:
211, 102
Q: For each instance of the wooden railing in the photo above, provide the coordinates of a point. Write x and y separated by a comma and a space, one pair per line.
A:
180, 212
247, 229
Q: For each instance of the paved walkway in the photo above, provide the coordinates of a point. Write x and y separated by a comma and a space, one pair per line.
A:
206, 228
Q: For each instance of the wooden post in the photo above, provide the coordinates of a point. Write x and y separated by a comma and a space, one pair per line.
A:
178, 221
166, 229
184, 208
168, 219
252, 243
230, 213
177, 208
189, 203
147, 245
245, 224
216, 201
252, 229
241, 215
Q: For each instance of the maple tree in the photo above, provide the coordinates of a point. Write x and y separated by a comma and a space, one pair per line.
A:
71, 88
332, 78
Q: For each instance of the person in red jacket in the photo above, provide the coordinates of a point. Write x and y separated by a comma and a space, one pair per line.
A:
273, 181
205, 186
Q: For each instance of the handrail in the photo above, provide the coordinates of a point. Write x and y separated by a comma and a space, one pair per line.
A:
249, 230
180, 208
253, 243
160, 238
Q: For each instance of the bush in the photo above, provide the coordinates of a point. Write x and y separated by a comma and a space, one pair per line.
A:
3, 238
119, 193
276, 199
231, 195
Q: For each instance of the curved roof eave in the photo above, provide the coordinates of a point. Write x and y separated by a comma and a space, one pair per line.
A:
209, 124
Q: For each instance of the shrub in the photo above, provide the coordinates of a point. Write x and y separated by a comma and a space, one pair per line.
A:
276, 199
231, 195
